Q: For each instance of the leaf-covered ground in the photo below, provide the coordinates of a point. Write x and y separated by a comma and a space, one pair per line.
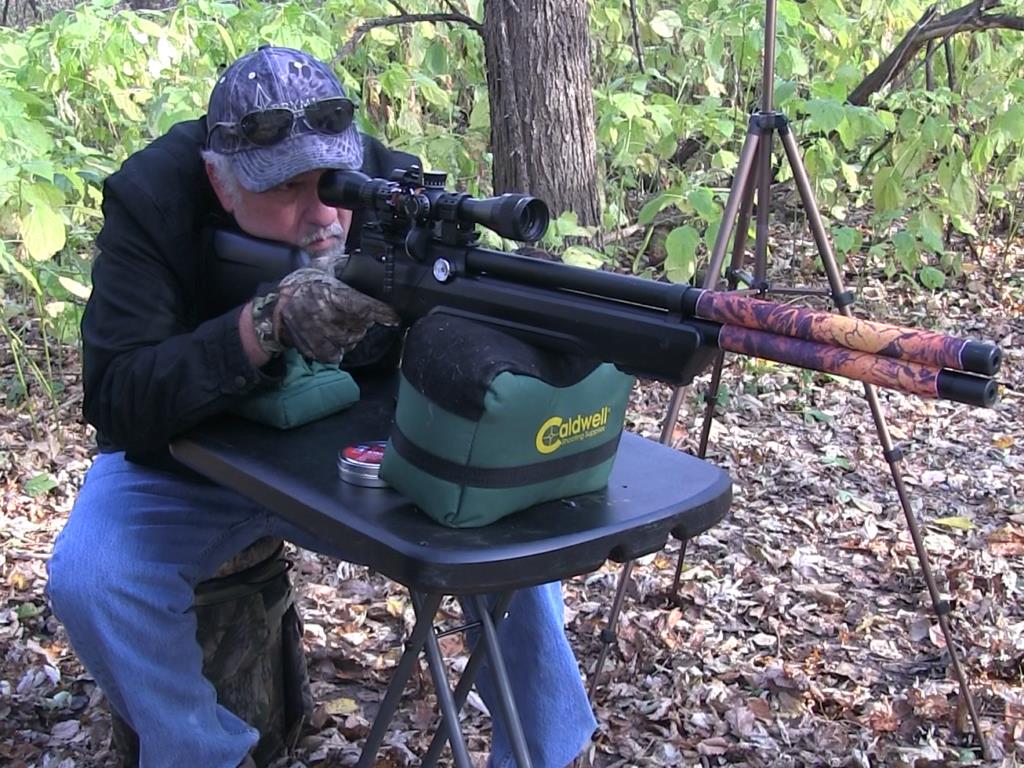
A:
801, 634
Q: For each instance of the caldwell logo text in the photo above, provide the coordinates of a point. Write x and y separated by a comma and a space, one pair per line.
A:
558, 431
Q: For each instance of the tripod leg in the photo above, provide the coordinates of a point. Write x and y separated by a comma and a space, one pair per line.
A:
740, 201
764, 194
711, 396
679, 567
732, 203
890, 452
738, 250
608, 633
840, 295
739, 241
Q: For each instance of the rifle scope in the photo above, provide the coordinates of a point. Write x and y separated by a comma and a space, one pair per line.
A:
419, 198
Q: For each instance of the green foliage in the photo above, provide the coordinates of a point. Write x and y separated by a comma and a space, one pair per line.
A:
82, 90
924, 163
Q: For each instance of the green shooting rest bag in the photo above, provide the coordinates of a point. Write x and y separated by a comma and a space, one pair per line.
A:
308, 391
487, 424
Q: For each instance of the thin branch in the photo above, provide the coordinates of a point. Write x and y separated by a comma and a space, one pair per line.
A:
971, 17
947, 50
405, 18
451, 6
636, 35
929, 72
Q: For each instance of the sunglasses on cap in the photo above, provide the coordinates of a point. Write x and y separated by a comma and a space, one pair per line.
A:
267, 127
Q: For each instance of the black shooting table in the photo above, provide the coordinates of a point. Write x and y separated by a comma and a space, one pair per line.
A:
653, 492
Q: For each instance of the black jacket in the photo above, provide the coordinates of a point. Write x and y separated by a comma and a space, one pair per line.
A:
156, 361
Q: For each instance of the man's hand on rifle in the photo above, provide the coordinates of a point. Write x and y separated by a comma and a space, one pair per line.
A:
318, 315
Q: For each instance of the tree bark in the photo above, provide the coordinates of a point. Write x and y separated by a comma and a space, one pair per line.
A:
541, 100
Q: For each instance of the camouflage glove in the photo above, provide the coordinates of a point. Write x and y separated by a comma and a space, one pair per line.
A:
333, 265
322, 317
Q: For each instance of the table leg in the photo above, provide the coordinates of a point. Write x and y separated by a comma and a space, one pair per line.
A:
509, 713
424, 627
449, 710
466, 681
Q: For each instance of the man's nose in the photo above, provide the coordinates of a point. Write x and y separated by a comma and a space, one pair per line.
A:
317, 212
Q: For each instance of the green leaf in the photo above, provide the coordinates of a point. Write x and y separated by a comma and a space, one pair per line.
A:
833, 459
908, 157
725, 159
10, 264
824, 115
963, 197
629, 104
932, 278
846, 239
1010, 123
961, 523
665, 23
656, 205
703, 202
436, 59
432, 92
928, 227
789, 12
905, 245
384, 36
885, 190
813, 414
27, 611
567, 225
40, 484
43, 232
74, 287
582, 256
784, 91
681, 249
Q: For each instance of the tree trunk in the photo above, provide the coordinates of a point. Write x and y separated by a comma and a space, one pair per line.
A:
542, 106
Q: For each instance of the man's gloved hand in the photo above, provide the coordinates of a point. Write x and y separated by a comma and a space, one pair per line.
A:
333, 265
322, 317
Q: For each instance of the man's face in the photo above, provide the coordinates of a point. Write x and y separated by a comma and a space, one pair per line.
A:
291, 213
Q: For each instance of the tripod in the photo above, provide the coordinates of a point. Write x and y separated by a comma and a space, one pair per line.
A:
753, 173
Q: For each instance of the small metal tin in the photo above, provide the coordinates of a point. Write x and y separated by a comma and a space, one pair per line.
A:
359, 463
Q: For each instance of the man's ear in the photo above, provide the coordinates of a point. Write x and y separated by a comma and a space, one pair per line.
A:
227, 201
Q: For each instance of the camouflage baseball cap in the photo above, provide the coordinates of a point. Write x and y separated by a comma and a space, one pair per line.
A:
284, 80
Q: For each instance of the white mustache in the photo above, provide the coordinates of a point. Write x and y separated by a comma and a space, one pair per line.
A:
333, 230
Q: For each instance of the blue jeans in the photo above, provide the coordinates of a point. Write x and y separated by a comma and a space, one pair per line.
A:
121, 580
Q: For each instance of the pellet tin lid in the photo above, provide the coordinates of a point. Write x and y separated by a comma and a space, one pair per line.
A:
359, 463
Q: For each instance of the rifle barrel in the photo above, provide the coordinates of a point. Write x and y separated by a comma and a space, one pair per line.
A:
905, 376
937, 350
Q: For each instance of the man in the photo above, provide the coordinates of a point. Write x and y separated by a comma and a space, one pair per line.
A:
158, 360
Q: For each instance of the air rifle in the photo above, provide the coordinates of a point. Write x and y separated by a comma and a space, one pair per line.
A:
421, 254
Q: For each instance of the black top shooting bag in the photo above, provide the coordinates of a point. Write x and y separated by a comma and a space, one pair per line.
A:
487, 424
